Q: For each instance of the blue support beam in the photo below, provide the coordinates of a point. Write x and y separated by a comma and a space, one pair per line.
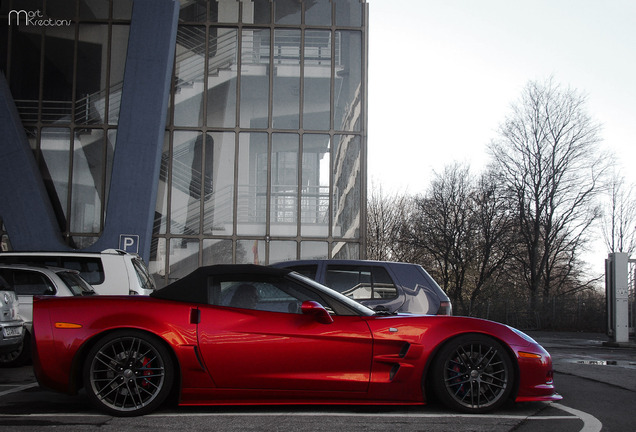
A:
140, 134
24, 204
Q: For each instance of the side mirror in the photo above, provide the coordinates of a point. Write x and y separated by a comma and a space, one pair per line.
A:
316, 310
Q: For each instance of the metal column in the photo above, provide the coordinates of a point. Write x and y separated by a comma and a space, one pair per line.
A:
617, 291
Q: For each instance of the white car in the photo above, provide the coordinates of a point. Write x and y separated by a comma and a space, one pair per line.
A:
28, 281
110, 272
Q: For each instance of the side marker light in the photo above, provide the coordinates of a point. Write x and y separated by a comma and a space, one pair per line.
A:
529, 355
63, 325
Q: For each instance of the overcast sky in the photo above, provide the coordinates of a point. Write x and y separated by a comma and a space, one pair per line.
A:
443, 74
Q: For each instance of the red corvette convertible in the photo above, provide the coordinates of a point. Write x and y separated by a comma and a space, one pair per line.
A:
244, 334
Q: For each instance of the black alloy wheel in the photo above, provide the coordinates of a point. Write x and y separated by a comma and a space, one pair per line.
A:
473, 373
128, 373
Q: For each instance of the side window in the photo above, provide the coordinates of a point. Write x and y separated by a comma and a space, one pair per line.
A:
32, 283
6, 280
75, 283
306, 270
361, 282
90, 269
265, 294
29, 260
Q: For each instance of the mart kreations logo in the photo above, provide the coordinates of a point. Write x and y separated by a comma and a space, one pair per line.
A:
35, 18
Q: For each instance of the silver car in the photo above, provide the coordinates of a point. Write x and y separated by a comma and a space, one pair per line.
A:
11, 324
392, 287
28, 281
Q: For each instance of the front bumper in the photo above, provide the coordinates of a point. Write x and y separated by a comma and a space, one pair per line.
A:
11, 336
536, 375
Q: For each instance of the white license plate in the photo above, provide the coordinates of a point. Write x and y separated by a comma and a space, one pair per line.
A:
12, 331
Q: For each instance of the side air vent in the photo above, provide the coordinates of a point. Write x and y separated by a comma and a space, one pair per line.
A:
404, 350
394, 370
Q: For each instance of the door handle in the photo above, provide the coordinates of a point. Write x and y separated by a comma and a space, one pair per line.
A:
195, 316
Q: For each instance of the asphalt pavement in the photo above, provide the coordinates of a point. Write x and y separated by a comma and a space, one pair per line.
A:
592, 356
584, 363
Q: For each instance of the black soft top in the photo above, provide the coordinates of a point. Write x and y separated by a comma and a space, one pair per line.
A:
193, 287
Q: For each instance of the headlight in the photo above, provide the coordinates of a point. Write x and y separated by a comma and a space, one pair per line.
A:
523, 335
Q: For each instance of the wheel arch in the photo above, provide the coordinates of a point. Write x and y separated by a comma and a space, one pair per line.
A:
429, 394
76, 380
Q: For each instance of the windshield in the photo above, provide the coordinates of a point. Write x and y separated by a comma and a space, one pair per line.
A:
76, 284
362, 310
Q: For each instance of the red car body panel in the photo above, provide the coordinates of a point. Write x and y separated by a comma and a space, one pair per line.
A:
237, 356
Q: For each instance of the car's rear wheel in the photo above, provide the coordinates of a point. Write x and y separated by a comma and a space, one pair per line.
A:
128, 373
473, 373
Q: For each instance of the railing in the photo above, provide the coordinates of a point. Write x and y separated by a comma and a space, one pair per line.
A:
90, 109
221, 54
251, 209
286, 49
252, 204
51, 110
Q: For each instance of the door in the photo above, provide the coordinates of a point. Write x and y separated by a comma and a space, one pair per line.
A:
256, 337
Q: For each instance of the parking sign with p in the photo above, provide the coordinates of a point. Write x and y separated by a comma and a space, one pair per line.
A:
129, 243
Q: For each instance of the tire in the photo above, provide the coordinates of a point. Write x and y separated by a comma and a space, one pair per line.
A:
473, 374
128, 373
20, 356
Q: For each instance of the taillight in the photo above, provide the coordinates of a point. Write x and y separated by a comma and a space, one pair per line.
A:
445, 308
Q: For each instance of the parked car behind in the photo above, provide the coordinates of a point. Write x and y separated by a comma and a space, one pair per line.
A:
27, 281
397, 287
11, 324
110, 272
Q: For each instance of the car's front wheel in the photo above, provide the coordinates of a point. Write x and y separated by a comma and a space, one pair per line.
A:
128, 373
473, 373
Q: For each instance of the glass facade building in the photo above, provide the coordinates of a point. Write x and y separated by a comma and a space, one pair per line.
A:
264, 156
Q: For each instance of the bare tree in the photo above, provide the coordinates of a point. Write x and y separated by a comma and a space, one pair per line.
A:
461, 231
619, 217
441, 229
386, 216
547, 157
492, 225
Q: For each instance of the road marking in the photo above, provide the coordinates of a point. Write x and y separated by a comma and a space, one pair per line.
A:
375, 415
18, 389
310, 414
590, 423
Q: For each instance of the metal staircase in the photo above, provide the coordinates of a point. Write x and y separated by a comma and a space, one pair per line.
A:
190, 67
